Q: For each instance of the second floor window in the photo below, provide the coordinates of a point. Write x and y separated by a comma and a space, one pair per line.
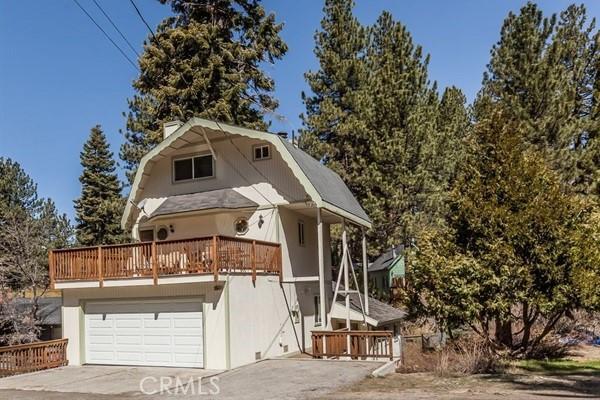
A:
262, 152
189, 168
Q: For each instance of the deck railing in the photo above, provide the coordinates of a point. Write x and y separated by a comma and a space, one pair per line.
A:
207, 255
363, 344
32, 357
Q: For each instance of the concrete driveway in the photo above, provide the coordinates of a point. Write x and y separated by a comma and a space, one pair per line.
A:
102, 380
270, 379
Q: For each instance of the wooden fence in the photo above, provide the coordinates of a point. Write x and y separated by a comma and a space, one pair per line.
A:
363, 344
33, 357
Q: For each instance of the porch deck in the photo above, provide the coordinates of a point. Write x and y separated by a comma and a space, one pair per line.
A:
211, 255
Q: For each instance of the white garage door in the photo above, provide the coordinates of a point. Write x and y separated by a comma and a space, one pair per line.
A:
145, 332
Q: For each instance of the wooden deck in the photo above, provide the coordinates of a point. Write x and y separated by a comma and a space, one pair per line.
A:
206, 255
363, 344
32, 357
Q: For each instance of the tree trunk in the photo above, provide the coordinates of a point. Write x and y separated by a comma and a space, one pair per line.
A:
503, 333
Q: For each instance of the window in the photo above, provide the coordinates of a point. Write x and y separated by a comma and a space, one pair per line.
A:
185, 169
162, 233
318, 310
146, 235
262, 152
296, 316
241, 226
301, 233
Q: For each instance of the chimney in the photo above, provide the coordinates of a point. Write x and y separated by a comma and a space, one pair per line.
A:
170, 127
394, 252
282, 134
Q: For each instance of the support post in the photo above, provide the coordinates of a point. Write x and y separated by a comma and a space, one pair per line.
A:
51, 268
365, 273
215, 259
100, 267
346, 272
253, 261
154, 264
320, 249
346, 281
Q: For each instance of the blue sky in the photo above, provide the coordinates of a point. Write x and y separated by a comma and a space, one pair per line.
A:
59, 76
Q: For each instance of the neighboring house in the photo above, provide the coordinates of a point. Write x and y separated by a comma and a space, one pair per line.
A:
48, 315
388, 270
231, 260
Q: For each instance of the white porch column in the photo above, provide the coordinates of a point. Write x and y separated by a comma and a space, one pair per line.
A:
321, 256
365, 274
346, 272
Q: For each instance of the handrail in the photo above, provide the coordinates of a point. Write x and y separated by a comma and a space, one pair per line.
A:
353, 344
31, 357
215, 254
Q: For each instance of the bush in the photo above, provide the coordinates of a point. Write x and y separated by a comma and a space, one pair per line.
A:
467, 356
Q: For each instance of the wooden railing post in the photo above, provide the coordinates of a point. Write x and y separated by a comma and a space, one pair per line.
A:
51, 267
253, 261
215, 259
280, 265
100, 267
154, 263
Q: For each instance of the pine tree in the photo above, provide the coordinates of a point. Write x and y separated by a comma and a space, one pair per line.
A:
399, 110
453, 126
373, 118
98, 210
330, 122
29, 227
544, 71
519, 247
204, 61
18, 192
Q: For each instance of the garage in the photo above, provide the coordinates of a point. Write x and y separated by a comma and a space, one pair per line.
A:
145, 332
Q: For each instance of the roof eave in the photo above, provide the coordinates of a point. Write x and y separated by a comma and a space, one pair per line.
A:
273, 139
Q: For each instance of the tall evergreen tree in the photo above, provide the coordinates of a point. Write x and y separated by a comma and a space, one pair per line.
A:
29, 227
330, 122
544, 71
520, 248
98, 210
453, 126
204, 61
373, 118
399, 112
18, 192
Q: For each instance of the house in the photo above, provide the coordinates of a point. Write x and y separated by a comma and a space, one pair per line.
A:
388, 270
49, 310
230, 259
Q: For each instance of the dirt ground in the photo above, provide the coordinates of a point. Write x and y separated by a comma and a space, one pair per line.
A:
511, 386
414, 384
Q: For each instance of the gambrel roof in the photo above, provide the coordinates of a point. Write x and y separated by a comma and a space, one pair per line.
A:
325, 188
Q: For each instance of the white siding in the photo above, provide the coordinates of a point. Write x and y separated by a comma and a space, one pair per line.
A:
232, 171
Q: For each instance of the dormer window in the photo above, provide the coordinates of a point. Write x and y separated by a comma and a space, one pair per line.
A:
193, 167
262, 152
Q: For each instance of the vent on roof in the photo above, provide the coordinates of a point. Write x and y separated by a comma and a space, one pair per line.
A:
170, 127
282, 134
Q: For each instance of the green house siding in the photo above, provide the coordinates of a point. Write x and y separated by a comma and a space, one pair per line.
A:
397, 269
383, 279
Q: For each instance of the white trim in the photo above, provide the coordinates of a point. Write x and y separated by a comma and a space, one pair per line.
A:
274, 140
